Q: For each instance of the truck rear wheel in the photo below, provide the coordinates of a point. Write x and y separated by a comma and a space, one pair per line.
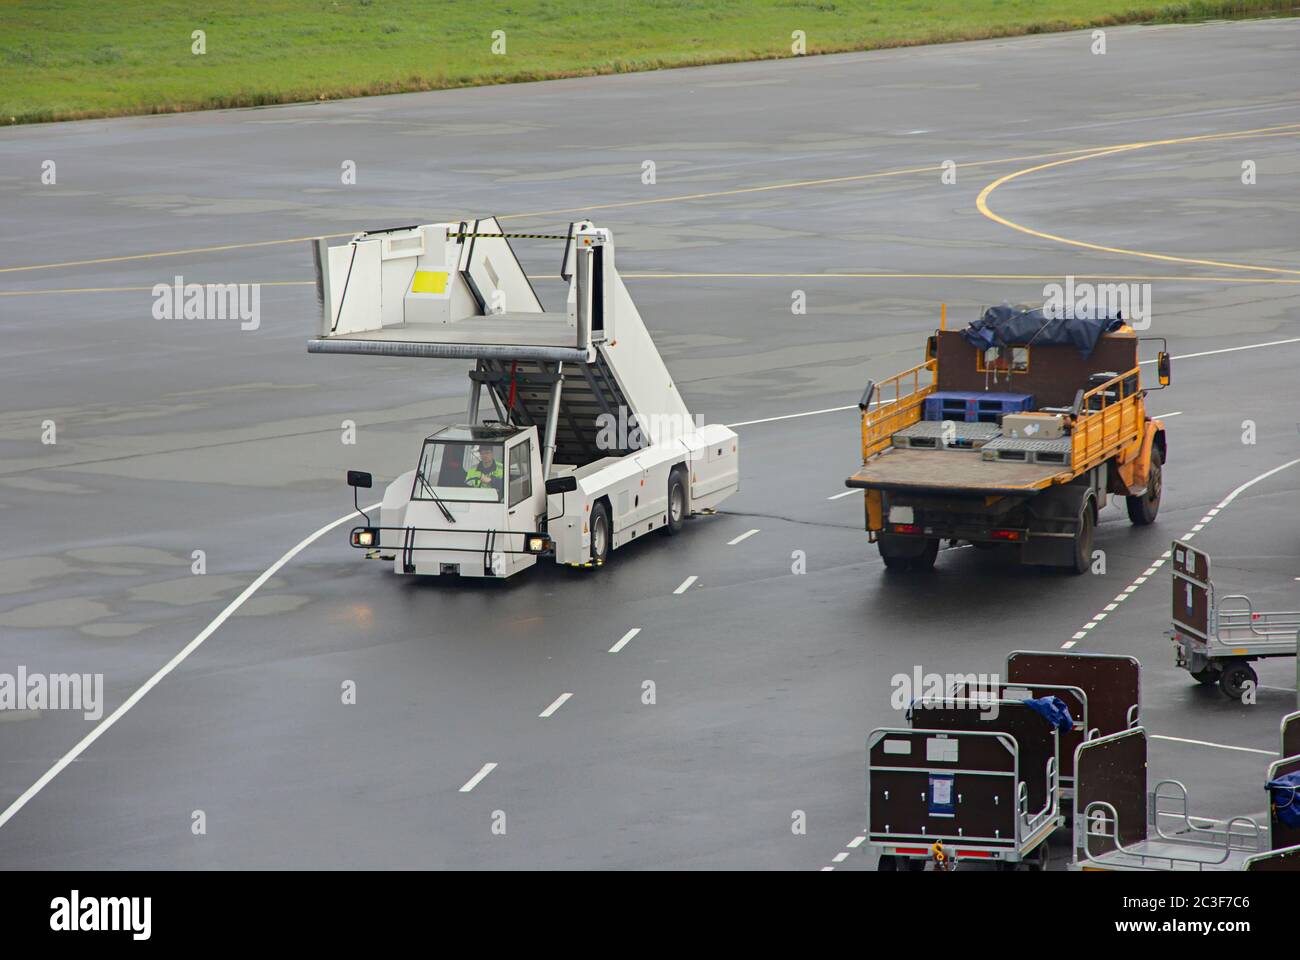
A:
600, 536
1142, 510
676, 502
1083, 540
907, 553
1237, 674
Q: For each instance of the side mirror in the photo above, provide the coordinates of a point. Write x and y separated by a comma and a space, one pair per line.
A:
359, 478
1164, 368
932, 347
561, 485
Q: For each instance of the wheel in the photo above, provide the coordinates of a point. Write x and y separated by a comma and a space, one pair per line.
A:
600, 538
1083, 541
907, 553
887, 864
1142, 510
926, 559
1208, 676
676, 502
1236, 675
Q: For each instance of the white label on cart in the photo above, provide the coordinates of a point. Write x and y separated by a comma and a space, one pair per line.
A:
942, 790
898, 746
901, 515
941, 749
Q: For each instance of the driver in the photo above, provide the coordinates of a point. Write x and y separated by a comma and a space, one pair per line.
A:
486, 472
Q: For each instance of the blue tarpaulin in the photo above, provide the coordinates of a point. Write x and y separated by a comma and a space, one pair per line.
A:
1053, 710
1018, 326
1285, 792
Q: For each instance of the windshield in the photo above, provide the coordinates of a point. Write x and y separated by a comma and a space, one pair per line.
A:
453, 470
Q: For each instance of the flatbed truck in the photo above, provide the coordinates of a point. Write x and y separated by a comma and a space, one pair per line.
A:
1018, 444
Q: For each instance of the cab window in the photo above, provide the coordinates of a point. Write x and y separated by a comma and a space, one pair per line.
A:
521, 472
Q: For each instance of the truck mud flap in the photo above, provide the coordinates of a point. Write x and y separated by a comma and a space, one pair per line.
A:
1054, 521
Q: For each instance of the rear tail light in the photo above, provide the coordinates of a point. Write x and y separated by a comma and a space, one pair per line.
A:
1006, 535
906, 528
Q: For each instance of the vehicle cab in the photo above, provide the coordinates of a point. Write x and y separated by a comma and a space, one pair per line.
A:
475, 505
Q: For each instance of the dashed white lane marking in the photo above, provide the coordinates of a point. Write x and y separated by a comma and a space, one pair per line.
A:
744, 536
686, 584
840, 857
624, 640
1166, 416
1160, 561
559, 702
104, 725
475, 780
1207, 743
846, 493
856, 842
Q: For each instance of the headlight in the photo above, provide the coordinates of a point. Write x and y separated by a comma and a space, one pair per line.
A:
536, 543
365, 537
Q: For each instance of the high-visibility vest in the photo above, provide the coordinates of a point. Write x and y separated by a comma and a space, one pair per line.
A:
474, 475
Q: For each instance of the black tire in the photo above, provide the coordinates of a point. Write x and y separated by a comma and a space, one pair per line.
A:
926, 560
1083, 541
887, 864
1142, 510
677, 502
1235, 677
601, 533
1208, 676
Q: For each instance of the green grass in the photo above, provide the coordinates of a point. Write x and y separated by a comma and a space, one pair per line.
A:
70, 59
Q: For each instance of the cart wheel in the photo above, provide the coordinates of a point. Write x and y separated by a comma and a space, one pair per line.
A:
1236, 675
1038, 862
1142, 510
676, 502
599, 533
1208, 676
888, 863
1083, 541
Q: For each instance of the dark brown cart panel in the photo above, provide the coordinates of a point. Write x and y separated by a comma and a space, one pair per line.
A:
1111, 770
1112, 683
1034, 736
1191, 590
1291, 734
904, 767
1285, 860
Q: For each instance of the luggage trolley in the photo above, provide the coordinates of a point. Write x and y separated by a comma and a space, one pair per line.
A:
1217, 637
978, 784
1117, 823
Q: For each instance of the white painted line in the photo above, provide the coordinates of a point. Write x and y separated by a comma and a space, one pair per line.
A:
1069, 644
792, 416
1090, 624
839, 858
1187, 536
1221, 746
857, 842
1131, 587
827, 869
1080, 635
846, 493
1166, 416
1164, 556
1249, 346
1099, 616
1111, 606
1142, 579
475, 780
686, 584
1250, 483
1122, 597
623, 642
559, 702
1198, 528
104, 725
1213, 512
744, 536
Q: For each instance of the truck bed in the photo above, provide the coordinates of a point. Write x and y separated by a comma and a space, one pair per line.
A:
948, 471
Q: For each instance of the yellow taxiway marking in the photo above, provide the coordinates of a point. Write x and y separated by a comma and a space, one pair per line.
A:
790, 185
981, 202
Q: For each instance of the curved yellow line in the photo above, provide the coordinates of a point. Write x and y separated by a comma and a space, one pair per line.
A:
981, 202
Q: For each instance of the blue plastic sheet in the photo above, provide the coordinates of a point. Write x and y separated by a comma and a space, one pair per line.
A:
1053, 710
1285, 793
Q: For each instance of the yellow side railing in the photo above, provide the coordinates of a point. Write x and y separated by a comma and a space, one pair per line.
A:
896, 403
1110, 417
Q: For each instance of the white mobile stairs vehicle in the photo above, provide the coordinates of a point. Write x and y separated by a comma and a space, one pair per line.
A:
584, 443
